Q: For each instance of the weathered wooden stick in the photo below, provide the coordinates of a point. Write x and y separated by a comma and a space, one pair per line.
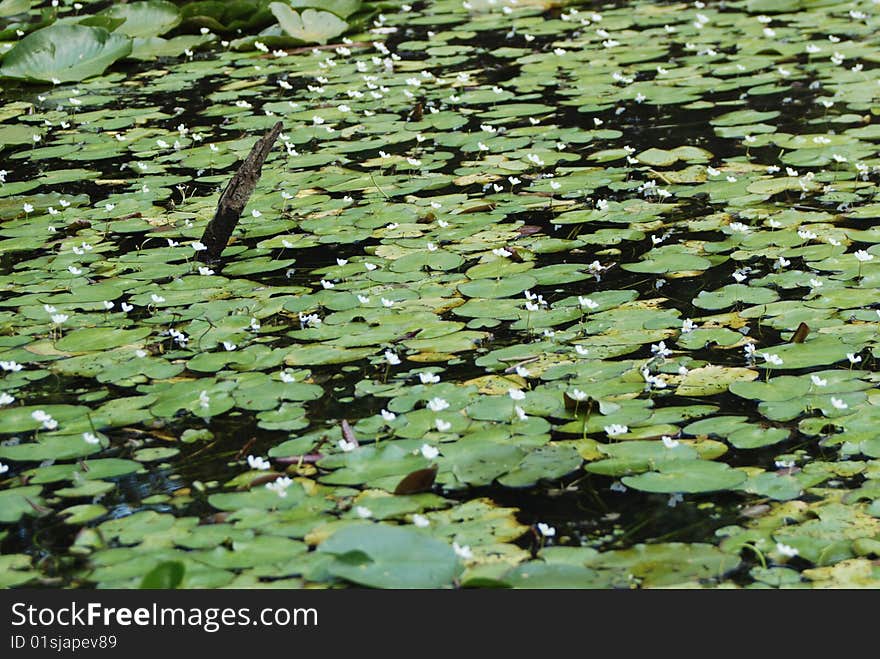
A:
235, 197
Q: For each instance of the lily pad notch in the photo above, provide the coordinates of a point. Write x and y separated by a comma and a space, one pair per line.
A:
235, 197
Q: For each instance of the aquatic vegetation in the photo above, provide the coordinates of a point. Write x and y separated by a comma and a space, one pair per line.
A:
529, 294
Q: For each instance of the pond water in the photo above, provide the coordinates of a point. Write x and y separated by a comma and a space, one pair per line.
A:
607, 268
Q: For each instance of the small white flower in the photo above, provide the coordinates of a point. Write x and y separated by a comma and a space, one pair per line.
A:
205, 271
429, 378
204, 400
126, 307
10, 365
6, 399
392, 358
688, 325
255, 462
387, 303
72, 269
363, 512
229, 346
583, 351
437, 404
363, 299
420, 521
587, 302
140, 354
462, 551
668, 442
863, 256
522, 371
819, 382
546, 530
280, 485
776, 360
578, 395
3, 468
327, 284
199, 247
441, 425
347, 446
430, 452
59, 318
853, 358
838, 403
516, 394
157, 298
786, 550
661, 350
91, 438
616, 429
256, 213
388, 416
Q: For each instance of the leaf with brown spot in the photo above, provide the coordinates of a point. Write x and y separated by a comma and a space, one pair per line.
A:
800, 334
420, 480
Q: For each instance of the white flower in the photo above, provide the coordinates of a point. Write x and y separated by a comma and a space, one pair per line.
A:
688, 325
370, 266
59, 318
347, 446
516, 394
581, 350
462, 551
327, 284
204, 400
421, 521
776, 360
668, 442
388, 416
10, 365
387, 303
6, 399
363, 512
156, 298
442, 425
838, 403
853, 358
229, 346
392, 358
661, 350
199, 247
429, 378
546, 530
91, 438
140, 354
280, 485
205, 271
429, 452
616, 429
587, 302
437, 404
126, 307
256, 213
578, 395
786, 550
500, 251
522, 371
3, 468
255, 462
819, 382
863, 256
72, 269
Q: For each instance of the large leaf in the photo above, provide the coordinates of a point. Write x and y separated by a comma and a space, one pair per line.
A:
390, 557
310, 26
64, 52
145, 19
